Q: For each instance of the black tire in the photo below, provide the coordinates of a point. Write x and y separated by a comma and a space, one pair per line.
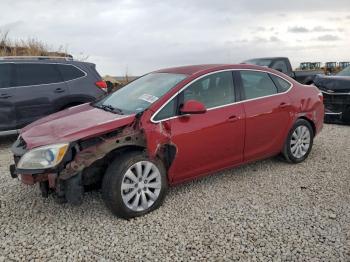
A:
113, 178
287, 153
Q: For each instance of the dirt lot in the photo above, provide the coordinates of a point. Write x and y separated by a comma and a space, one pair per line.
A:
266, 211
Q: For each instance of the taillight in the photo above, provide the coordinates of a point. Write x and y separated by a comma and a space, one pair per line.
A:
102, 85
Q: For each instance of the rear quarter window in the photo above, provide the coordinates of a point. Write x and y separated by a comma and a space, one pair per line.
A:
282, 85
70, 72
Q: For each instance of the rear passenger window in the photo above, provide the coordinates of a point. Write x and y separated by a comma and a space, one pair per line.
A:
28, 74
282, 85
5, 75
257, 84
70, 72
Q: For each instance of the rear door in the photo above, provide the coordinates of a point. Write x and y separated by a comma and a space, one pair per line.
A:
39, 87
267, 108
7, 96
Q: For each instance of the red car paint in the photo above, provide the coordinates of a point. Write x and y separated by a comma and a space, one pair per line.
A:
228, 136
72, 124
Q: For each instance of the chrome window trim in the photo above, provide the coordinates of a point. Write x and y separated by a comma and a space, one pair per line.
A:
328, 93
55, 83
217, 107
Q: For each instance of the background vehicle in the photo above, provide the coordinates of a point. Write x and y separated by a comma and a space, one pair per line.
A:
336, 93
283, 65
309, 66
315, 65
331, 68
305, 66
33, 87
343, 65
168, 127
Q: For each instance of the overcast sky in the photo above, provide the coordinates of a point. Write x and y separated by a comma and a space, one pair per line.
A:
141, 36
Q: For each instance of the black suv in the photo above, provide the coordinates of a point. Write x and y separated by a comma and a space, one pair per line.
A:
33, 87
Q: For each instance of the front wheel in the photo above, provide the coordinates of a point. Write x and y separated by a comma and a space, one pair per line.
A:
299, 142
134, 185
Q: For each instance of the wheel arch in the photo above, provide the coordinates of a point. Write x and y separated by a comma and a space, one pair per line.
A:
166, 152
125, 149
310, 122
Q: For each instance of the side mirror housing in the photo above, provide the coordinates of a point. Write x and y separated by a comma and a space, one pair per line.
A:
193, 107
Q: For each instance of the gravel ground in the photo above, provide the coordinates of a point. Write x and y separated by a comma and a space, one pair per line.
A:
266, 211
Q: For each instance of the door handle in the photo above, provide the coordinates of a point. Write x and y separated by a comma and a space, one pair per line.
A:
232, 118
59, 90
284, 105
4, 96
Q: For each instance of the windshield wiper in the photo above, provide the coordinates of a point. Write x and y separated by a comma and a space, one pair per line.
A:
110, 108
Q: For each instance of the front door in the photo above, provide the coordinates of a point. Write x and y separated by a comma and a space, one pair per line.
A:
213, 140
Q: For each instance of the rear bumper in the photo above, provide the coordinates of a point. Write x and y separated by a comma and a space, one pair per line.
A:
333, 117
336, 107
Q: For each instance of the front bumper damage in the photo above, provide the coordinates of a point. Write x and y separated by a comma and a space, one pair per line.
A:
83, 165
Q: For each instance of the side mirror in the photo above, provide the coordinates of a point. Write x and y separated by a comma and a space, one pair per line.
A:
193, 107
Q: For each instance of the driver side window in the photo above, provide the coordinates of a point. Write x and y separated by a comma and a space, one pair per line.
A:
213, 90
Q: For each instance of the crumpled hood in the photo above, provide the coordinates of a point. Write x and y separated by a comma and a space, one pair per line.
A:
336, 84
72, 124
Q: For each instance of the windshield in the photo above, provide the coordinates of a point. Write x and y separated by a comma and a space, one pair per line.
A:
259, 62
344, 72
140, 94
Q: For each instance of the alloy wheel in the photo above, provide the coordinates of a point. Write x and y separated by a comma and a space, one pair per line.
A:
300, 141
141, 186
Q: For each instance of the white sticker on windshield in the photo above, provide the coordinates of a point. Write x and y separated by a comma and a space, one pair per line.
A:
149, 98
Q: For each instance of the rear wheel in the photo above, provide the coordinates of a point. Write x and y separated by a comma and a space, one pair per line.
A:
299, 142
134, 185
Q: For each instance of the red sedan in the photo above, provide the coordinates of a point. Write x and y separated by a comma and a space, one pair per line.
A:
168, 127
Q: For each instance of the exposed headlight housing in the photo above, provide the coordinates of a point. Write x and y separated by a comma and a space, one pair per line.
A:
43, 157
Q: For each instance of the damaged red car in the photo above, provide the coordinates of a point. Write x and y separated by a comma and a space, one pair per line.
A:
167, 127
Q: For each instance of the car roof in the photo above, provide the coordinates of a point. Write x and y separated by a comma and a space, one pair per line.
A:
199, 69
41, 60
